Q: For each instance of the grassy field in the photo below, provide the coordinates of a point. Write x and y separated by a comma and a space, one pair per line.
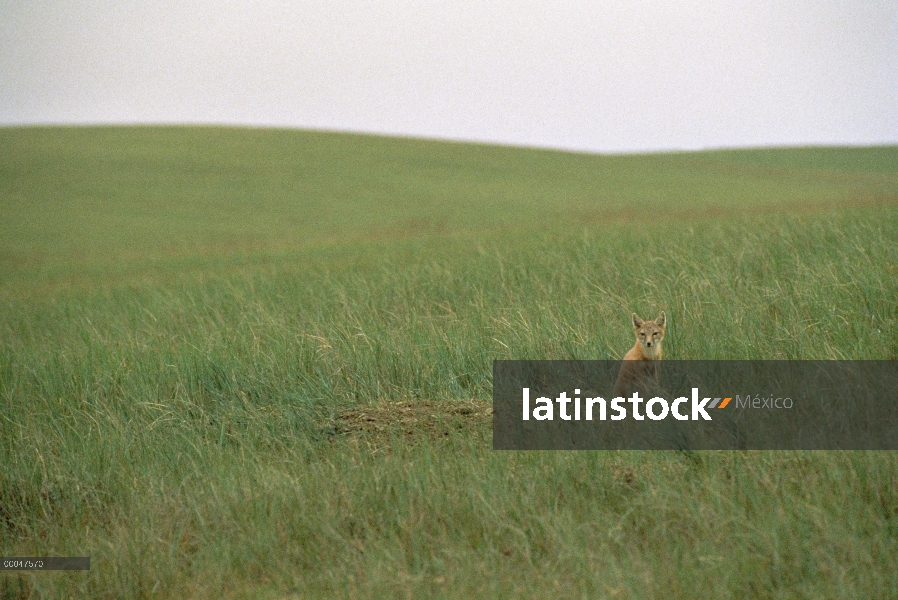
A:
257, 364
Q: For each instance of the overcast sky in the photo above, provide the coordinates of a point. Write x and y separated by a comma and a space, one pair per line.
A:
586, 75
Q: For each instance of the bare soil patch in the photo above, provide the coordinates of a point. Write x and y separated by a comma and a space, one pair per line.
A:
411, 418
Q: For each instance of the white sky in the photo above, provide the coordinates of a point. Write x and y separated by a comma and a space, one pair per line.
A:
587, 75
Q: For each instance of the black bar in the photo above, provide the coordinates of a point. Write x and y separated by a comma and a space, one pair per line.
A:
764, 405
45, 563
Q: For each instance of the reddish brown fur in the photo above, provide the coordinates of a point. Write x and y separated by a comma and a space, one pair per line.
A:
638, 371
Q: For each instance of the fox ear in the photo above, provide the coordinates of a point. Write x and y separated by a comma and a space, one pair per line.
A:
660, 320
637, 322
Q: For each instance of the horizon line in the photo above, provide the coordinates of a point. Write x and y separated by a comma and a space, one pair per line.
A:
436, 138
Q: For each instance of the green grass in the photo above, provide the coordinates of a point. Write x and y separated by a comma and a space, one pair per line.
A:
186, 313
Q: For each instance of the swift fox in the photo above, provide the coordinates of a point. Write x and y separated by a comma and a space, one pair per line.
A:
639, 372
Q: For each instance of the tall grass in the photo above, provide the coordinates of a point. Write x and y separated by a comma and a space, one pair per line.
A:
170, 373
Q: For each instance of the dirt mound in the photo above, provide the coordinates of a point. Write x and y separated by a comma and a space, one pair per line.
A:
412, 418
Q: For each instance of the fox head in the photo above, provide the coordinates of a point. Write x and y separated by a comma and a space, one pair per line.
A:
649, 334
